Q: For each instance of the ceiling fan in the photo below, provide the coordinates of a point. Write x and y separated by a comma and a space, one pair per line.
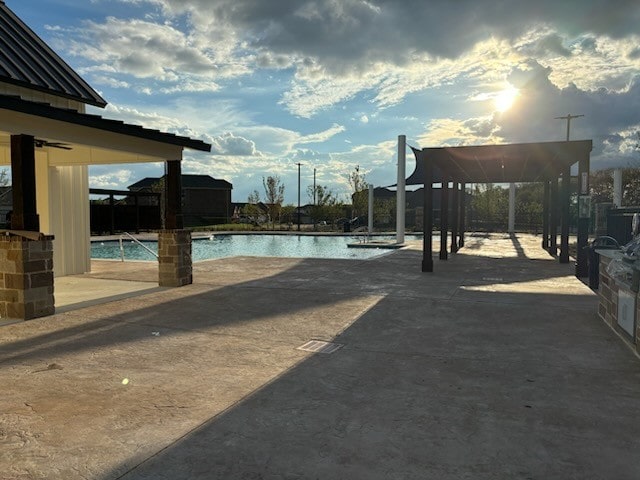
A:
39, 143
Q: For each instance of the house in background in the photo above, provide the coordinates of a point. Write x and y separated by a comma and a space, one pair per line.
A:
205, 200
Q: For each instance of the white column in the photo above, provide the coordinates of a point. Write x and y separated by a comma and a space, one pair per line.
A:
617, 187
512, 208
401, 193
370, 209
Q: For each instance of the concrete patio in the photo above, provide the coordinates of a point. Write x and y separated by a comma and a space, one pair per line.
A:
494, 366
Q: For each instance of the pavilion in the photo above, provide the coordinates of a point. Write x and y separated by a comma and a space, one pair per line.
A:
546, 162
49, 141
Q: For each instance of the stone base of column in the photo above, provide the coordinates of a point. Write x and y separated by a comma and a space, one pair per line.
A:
174, 258
26, 276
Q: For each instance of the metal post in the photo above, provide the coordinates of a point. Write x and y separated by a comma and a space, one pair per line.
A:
401, 191
298, 195
370, 219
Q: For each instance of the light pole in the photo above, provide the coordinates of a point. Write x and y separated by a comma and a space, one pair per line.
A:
314, 186
568, 119
298, 194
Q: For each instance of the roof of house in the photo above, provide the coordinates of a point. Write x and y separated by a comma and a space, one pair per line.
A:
17, 104
26, 61
188, 181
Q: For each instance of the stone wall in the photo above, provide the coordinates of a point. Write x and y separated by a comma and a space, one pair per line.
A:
608, 306
174, 258
26, 277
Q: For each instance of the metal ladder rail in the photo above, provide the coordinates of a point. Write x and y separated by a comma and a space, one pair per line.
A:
134, 239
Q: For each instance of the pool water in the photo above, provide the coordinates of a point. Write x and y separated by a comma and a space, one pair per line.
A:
221, 246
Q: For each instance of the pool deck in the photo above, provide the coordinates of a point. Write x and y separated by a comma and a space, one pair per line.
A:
494, 366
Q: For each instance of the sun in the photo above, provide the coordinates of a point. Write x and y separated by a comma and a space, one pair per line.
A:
504, 99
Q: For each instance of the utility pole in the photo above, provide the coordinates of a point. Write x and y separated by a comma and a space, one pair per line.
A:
314, 186
298, 194
568, 119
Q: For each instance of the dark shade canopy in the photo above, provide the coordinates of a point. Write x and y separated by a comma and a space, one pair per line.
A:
519, 162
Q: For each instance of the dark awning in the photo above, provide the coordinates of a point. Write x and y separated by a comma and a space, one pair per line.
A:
519, 162
11, 103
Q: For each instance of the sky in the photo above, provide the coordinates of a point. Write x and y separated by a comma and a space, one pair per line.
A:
331, 84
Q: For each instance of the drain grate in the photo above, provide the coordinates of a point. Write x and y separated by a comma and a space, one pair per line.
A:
318, 346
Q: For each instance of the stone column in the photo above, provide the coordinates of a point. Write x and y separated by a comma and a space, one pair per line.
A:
26, 276
174, 258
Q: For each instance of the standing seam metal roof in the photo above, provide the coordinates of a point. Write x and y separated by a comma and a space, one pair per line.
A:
26, 61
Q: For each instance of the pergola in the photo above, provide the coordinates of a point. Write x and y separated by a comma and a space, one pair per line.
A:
546, 162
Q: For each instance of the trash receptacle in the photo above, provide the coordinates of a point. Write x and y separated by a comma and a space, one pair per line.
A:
602, 243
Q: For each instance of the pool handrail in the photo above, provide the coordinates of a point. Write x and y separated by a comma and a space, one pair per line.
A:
136, 241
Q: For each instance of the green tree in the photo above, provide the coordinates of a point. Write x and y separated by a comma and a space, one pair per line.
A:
384, 211
529, 205
359, 186
601, 186
327, 208
274, 196
287, 213
490, 206
251, 209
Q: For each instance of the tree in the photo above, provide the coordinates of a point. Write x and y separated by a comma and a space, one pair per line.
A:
601, 186
383, 210
359, 198
490, 206
251, 209
287, 213
327, 208
274, 196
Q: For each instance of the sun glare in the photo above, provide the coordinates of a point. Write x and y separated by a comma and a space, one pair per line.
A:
504, 99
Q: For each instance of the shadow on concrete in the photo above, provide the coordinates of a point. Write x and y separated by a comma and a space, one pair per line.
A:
439, 391
205, 305
484, 369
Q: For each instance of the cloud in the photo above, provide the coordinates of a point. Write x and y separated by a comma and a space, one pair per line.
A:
113, 179
229, 144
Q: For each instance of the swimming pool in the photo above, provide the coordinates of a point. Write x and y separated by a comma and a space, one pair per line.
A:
264, 245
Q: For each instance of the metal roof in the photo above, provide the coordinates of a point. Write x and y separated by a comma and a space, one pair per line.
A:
517, 162
26, 61
16, 104
187, 181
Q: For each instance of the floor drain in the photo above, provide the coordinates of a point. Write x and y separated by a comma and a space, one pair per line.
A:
318, 346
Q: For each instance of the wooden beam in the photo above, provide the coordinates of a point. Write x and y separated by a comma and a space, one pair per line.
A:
23, 181
455, 216
444, 216
173, 196
427, 217
584, 214
545, 215
565, 198
553, 217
